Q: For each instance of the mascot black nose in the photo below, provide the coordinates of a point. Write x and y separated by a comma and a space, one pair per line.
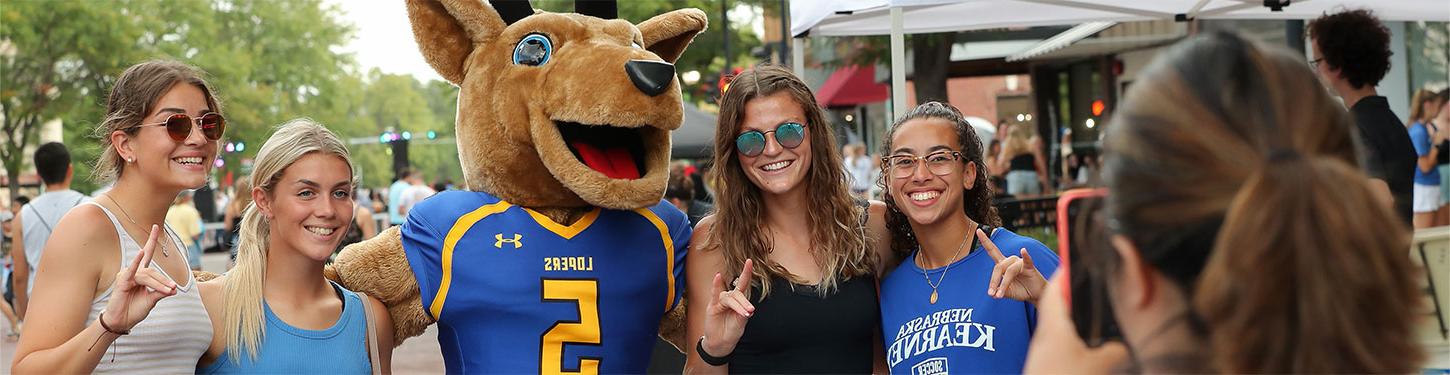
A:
650, 77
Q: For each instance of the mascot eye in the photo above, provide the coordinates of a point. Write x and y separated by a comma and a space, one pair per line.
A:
635, 45
534, 50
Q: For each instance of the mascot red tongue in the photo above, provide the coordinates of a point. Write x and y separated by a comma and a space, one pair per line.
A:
614, 162
560, 256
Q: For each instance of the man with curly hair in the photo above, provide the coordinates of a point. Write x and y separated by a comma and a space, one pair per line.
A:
1351, 55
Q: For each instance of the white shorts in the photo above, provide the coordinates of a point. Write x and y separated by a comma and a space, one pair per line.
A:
1427, 198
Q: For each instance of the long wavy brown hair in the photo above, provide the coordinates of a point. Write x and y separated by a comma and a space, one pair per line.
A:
1237, 178
837, 235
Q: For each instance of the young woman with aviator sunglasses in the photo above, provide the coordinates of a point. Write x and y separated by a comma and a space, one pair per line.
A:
787, 230
102, 291
956, 303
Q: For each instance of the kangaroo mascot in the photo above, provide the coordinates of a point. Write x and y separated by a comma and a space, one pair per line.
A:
561, 256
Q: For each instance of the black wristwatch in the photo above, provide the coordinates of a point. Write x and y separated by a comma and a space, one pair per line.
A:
710, 359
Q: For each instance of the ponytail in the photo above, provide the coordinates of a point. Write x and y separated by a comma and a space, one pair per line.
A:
243, 311
1309, 275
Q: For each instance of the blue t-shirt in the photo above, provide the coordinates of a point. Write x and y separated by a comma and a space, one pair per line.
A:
1420, 137
515, 292
395, 197
966, 331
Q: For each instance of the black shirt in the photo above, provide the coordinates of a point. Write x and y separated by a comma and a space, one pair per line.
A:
795, 331
1388, 153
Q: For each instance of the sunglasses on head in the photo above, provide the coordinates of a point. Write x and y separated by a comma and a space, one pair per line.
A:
788, 135
179, 126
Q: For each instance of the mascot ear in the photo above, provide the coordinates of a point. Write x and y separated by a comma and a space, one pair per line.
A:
447, 32
668, 34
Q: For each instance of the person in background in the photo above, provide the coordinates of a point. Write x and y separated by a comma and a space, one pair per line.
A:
1023, 162
1424, 135
1351, 52
37, 219
416, 192
858, 167
680, 191
231, 222
1239, 241
395, 194
1442, 162
186, 221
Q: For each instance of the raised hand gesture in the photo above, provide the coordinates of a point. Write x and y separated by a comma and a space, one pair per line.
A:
727, 313
136, 290
1013, 277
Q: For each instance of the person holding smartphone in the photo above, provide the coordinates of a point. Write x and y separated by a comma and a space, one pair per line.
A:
1243, 237
957, 303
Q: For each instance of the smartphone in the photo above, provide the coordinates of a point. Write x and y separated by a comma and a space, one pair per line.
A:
1081, 236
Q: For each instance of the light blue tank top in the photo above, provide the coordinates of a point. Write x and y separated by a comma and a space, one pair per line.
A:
340, 349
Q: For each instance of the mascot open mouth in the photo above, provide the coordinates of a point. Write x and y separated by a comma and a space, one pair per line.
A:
616, 152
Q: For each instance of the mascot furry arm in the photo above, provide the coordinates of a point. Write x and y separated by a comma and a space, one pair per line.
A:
563, 134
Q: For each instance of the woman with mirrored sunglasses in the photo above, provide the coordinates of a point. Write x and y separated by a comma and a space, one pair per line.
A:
800, 250
117, 284
963, 299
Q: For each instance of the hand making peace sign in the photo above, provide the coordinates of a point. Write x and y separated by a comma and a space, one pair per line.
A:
727, 313
1013, 277
137, 289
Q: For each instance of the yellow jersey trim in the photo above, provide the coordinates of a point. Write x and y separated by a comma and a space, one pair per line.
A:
460, 227
566, 231
669, 254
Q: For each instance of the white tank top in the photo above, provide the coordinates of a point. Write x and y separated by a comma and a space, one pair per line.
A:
172, 337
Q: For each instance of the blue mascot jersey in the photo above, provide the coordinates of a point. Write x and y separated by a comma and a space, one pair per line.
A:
966, 331
514, 292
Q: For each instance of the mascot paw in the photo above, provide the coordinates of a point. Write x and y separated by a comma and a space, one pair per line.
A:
379, 268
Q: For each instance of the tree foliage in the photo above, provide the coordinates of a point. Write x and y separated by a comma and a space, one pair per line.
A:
269, 61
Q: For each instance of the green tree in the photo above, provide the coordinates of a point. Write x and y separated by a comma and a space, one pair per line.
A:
706, 53
55, 58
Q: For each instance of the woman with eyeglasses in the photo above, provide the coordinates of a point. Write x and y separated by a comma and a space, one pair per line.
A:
957, 303
787, 231
117, 284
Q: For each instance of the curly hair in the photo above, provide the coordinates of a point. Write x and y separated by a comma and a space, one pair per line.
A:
1356, 43
978, 199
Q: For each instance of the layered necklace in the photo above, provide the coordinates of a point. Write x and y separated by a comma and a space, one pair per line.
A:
926, 264
163, 245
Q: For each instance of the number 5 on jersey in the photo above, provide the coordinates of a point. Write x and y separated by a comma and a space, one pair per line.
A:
585, 293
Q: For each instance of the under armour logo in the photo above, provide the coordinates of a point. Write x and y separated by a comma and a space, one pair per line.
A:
500, 240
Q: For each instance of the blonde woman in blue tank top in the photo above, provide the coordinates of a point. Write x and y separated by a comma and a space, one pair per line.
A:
274, 312
98, 291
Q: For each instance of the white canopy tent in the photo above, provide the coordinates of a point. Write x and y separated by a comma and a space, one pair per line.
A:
899, 17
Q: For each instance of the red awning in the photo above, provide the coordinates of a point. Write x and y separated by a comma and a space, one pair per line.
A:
850, 86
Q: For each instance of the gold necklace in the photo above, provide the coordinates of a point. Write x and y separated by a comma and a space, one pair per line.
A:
164, 252
927, 263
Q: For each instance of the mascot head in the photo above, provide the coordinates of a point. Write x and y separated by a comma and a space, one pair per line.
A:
559, 110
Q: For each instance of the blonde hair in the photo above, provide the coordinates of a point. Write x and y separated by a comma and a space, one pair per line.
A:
133, 97
838, 242
243, 309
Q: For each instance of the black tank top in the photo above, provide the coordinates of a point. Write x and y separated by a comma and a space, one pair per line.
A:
794, 331
1023, 162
